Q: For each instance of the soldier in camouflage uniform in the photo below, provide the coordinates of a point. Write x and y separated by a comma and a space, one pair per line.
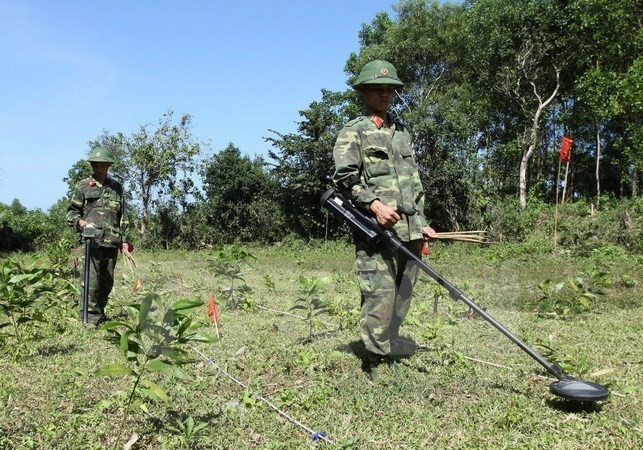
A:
98, 200
375, 166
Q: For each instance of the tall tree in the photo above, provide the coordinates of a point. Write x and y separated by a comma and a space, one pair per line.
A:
609, 45
304, 161
159, 164
241, 198
521, 49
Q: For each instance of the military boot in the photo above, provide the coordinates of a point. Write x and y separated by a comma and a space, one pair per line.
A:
372, 366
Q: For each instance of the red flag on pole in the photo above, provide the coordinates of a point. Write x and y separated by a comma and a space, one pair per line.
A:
213, 311
566, 150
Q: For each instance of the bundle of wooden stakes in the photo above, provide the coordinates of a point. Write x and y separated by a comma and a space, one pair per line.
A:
477, 236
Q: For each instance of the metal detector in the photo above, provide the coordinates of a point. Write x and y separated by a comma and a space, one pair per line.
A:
566, 386
89, 233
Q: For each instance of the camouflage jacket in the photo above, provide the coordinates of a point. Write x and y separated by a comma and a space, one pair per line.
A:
382, 159
103, 205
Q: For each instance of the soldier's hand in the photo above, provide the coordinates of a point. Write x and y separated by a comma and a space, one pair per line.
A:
429, 233
385, 215
82, 223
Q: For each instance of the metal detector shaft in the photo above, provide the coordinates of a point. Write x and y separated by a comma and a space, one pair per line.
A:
359, 221
85, 310
456, 294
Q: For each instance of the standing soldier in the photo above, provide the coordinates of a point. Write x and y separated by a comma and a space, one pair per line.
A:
375, 166
98, 201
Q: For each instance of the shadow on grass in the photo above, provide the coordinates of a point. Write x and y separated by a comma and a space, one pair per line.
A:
569, 406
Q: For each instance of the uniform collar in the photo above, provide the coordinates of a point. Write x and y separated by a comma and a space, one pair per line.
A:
94, 182
379, 122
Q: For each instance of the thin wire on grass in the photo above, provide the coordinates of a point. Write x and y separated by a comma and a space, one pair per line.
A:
314, 434
283, 313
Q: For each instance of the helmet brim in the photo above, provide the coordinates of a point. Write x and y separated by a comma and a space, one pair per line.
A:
380, 80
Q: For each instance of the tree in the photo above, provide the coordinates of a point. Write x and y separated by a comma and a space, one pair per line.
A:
521, 48
158, 165
241, 199
305, 161
606, 83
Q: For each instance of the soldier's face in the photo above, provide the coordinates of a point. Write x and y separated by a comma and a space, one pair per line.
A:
100, 169
378, 97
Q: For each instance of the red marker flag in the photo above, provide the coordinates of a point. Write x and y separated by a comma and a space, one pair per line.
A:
213, 311
566, 150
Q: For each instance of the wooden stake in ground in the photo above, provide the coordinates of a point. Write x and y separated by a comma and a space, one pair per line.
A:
213, 314
565, 155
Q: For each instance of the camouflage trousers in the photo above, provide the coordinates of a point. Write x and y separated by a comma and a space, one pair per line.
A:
102, 261
386, 283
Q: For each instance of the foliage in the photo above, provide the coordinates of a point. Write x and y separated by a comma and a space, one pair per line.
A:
153, 341
228, 264
59, 254
157, 165
576, 365
24, 290
187, 429
305, 164
563, 300
310, 300
242, 199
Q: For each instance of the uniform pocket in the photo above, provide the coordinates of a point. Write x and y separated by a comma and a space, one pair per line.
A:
408, 160
366, 271
376, 161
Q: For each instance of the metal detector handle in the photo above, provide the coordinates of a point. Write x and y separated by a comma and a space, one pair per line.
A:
406, 210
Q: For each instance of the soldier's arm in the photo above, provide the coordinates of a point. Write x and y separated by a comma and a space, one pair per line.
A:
75, 208
348, 167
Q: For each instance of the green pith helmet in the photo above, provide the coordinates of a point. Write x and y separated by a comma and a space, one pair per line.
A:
378, 72
101, 154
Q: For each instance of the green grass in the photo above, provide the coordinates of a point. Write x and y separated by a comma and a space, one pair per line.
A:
438, 398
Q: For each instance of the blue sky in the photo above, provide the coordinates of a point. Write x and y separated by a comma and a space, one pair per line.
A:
71, 69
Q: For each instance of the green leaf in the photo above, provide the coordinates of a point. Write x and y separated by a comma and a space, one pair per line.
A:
115, 370
158, 390
186, 304
161, 366
21, 277
146, 306
202, 337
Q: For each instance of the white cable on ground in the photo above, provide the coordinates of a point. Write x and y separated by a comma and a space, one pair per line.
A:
315, 434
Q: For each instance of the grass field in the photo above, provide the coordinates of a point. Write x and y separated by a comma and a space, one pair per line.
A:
264, 384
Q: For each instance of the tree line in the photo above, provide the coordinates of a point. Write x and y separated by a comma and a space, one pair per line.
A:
491, 88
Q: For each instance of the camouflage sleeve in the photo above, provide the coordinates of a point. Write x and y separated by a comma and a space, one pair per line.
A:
75, 208
348, 162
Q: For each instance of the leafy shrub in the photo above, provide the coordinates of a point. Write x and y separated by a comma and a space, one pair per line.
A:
562, 300
228, 264
24, 292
